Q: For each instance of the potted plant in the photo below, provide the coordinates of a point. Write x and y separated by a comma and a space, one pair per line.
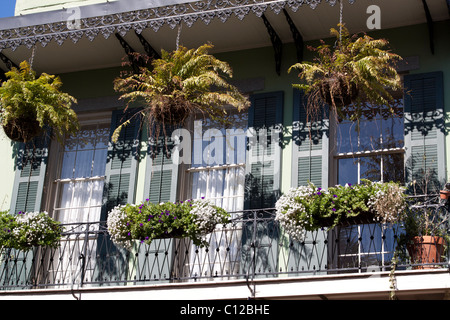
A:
426, 235
192, 219
445, 193
358, 72
29, 229
178, 85
30, 105
308, 208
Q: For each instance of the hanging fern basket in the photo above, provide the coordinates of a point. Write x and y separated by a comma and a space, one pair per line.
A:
338, 91
22, 129
357, 72
30, 104
180, 84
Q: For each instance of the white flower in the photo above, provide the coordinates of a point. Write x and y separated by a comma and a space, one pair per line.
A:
206, 216
117, 226
388, 202
287, 210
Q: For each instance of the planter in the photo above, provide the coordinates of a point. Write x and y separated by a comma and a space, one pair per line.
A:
336, 91
426, 250
23, 129
176, 233
444, 194
361, 218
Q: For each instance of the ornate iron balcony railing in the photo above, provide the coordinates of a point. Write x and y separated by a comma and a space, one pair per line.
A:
251, 246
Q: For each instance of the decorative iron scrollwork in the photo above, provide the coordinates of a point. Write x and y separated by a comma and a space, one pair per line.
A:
154, 18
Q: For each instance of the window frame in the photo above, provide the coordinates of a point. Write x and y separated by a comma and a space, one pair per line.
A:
55, 160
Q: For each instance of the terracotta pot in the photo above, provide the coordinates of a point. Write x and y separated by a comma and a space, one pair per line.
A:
426, 249
445, 194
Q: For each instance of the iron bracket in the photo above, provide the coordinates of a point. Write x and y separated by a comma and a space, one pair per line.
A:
298, 39
152, 53
276, 43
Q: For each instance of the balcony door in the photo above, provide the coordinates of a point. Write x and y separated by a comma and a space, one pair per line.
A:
78, 194
217, 173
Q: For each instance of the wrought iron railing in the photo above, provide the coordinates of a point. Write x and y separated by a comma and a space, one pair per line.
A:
251, 246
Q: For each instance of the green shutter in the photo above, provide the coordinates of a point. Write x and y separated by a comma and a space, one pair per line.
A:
263, 180
161, 173
160, 186
122, 161
425, 130
310, 147
310, 157
31, 164
264, 151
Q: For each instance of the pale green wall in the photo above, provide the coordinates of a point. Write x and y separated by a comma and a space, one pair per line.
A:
33, 6
7, 171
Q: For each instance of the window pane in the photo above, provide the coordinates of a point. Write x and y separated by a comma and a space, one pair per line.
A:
370, 135
68, 165
371, 168
393, 132
394, 167
347, 137
83, 164
347, 171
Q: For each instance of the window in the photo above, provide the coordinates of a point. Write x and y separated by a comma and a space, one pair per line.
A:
217, 173
218, 162
78, 184
372, 149
79, 187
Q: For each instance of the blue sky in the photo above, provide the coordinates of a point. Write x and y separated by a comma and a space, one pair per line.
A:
7, 8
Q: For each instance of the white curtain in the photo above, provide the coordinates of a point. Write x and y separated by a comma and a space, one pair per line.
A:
224, 186
81, 201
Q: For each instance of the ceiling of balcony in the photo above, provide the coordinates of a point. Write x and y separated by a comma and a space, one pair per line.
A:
234, 34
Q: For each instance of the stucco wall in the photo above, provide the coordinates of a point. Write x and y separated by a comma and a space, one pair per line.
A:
32, 6
7, 171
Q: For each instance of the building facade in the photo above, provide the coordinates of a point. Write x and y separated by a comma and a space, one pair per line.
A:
85, 42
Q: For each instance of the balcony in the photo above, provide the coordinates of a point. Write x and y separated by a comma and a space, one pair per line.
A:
250, 250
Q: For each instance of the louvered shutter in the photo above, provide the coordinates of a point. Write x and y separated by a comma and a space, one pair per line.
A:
161, 173
310, 147
310, 157
424, 130
122, 161
263, 170
263, 179
31, 164
160, 186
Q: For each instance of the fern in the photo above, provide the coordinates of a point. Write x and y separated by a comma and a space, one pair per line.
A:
181, 83
358, 66
24, 95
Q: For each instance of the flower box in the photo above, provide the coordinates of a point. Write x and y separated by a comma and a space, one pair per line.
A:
308, 208
192, 219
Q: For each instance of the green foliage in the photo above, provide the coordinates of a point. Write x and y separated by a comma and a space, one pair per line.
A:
27, 230
308, 208
358, 67
179, 84
148, 221
24, 95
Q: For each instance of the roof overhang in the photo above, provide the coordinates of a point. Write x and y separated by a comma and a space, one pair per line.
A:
82, 38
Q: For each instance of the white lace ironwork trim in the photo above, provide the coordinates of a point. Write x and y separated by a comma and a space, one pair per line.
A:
154, 18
